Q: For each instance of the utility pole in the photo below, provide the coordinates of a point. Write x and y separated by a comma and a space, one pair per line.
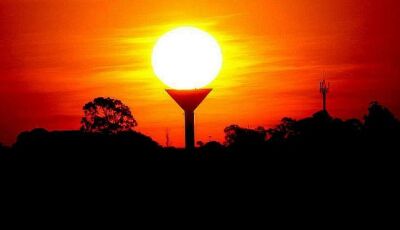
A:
167, 141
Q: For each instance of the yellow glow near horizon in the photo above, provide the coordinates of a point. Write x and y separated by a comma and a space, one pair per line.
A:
186, 58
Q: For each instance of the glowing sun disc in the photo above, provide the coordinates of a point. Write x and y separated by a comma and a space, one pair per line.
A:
186, 58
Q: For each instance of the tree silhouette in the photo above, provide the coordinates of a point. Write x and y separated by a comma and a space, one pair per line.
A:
283, 130
107, 115
242, 137
379, 118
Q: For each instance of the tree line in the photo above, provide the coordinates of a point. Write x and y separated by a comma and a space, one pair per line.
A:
107, 134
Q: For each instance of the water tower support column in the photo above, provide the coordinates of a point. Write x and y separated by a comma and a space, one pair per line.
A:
189, 100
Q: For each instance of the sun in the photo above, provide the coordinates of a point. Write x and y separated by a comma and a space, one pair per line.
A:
186, 58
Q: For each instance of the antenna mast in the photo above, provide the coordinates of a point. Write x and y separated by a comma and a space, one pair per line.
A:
324, 89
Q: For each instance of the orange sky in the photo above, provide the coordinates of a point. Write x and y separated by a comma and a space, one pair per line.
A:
57, 55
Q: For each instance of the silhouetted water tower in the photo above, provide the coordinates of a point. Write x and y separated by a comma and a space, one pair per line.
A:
187, 59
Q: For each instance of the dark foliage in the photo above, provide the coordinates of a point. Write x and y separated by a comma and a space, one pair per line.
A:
320, 142
107, 115
380, 121
244, 143
77, 146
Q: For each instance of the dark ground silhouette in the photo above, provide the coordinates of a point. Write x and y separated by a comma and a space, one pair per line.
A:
318, 142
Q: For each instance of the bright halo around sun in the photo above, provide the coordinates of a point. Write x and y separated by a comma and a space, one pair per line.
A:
186, 58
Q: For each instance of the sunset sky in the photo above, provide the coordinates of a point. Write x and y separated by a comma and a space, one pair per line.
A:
57, 55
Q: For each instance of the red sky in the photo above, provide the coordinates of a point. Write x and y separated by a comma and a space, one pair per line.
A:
57, 55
